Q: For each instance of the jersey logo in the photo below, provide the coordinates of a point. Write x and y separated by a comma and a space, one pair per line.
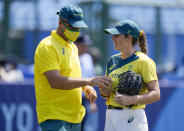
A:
130, 119
130, 67
112, 66
63, 51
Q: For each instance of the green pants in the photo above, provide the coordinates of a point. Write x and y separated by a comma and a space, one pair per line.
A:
59, 125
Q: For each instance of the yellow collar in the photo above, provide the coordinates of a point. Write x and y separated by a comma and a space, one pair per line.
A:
58, 38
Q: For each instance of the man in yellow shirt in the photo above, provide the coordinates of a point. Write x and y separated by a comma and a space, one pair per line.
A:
58, 82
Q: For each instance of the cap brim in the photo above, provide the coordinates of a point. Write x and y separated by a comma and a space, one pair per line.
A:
78, 24
112, 31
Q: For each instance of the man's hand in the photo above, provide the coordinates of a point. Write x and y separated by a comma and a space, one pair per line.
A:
90, 93
103, 81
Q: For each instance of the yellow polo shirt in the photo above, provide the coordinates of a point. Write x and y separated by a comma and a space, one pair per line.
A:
54, 53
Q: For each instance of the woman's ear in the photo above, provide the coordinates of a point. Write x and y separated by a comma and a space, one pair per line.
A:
130, 38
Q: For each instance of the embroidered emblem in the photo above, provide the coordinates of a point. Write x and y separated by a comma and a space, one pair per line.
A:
129, 31
130, 67
63, 51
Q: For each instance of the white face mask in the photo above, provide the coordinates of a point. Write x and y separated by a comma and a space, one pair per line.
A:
72, 35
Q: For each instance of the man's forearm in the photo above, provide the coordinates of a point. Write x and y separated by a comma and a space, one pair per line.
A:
66, 83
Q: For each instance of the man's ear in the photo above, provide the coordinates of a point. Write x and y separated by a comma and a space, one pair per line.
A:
60, 22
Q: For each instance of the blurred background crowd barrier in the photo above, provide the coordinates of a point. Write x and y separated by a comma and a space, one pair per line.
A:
23, 23
18, 108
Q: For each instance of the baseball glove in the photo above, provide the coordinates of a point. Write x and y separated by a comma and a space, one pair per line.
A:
130, 83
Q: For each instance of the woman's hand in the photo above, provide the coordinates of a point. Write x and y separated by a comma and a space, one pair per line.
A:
124, 100
105, 90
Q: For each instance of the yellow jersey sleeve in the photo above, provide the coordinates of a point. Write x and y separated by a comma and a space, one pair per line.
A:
148, 70
47, 59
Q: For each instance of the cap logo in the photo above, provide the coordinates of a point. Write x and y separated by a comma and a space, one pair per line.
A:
129, 31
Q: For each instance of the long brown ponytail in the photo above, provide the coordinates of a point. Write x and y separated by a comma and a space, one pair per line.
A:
143, 43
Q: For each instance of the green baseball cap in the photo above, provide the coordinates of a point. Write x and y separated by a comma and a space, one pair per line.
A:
125, 27
74, 15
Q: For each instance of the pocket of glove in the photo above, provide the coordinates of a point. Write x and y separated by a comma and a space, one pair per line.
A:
130, 83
